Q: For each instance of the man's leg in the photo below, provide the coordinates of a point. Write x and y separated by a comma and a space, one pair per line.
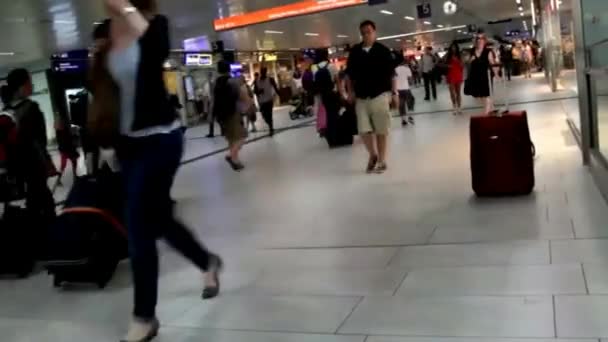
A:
403, 106
211, 126
381, 121
434, 87
381, 141
365, 131
427, 91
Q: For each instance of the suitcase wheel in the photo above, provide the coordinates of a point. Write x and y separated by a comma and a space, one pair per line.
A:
57, 282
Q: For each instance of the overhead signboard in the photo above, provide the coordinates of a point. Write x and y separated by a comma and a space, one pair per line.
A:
281, 12
198, 59
424, 10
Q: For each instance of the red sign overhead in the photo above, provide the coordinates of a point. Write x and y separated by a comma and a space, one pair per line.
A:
282, 12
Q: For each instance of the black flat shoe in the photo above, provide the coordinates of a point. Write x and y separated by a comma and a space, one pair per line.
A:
234, 165
215, 265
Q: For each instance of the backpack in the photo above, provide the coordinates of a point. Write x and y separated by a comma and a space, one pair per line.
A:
324, 81
12, 186
225, 99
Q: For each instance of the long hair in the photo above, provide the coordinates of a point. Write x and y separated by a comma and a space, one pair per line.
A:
452, 54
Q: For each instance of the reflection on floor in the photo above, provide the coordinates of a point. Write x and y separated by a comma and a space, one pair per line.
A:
316, 250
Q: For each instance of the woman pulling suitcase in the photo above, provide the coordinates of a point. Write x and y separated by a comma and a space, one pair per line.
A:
134, 113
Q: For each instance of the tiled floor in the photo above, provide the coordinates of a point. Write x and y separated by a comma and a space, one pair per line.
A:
318, 251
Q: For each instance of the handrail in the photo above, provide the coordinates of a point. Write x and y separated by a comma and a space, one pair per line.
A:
596, 44
602, 71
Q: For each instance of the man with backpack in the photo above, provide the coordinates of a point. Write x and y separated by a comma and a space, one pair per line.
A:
227, 93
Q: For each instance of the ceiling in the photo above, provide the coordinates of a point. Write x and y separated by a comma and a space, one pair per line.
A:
33, 29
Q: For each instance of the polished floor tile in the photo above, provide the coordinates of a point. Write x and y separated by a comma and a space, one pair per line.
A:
585, 251
496, 280
270, 313
327, 282
453, 316
581, 316
469, 339
506, 253
597, 278
216, 335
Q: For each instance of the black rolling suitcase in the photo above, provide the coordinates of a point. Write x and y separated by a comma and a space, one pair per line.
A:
17, 247
88, 239
341, 123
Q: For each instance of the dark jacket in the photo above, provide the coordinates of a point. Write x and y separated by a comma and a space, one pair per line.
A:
152, 104
32, 154
371, 72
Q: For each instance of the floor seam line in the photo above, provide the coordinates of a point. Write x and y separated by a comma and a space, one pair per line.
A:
585, 278
550, 252
401, 283
349, 314
554, 317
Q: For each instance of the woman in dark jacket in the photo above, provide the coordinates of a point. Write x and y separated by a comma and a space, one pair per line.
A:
34, 162
150, 151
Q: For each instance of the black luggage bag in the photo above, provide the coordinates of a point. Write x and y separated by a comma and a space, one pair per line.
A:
17, 249
341, 125
89, 239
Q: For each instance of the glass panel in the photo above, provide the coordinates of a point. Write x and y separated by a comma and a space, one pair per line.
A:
602, 113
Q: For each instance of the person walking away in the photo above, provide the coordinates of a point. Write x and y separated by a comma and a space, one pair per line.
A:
483, 61
67, 149
129, 86
33, 160
428, 67
455, 76
506, 57
528, 56
227, 94
266, 89
403, 75
371, 71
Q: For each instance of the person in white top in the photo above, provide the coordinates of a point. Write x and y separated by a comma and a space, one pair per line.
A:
403, 73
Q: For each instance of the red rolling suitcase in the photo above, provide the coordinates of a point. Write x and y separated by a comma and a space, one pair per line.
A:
502, 154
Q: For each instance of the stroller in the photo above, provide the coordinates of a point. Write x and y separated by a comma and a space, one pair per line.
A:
301, 107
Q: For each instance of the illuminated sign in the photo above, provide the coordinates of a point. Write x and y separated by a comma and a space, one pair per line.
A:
268, 57
199, 59
281, 12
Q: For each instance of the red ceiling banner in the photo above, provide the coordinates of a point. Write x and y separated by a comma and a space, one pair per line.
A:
281, 12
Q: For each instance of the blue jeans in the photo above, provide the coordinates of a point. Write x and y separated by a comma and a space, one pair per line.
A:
149, 165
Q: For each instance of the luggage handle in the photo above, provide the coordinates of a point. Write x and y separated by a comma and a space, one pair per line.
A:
505, 90
107, 216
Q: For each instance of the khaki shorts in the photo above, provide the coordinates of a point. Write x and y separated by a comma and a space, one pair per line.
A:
374, 115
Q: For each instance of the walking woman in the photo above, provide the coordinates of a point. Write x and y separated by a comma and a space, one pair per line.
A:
455, 76
150, 147
266, 89
33, 160
478, 80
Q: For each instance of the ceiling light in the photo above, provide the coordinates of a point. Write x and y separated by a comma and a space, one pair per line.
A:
273, 32
409, 18
342, 36
440, 26
521, 13
520, 8
310, 34
397, 40
7, 53
422, 32
386, 12
427, 23
459, 31
518, 2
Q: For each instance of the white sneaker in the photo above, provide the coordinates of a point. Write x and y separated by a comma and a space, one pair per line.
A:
140, 331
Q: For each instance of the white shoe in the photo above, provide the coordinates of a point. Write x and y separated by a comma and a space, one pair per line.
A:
140, 331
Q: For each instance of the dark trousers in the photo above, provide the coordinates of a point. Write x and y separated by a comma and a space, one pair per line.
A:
508, 70
39, 199
267, 109
403, 98
211, 124
430, 84
149, 165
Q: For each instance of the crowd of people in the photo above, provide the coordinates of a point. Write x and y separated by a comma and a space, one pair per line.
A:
132, 114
